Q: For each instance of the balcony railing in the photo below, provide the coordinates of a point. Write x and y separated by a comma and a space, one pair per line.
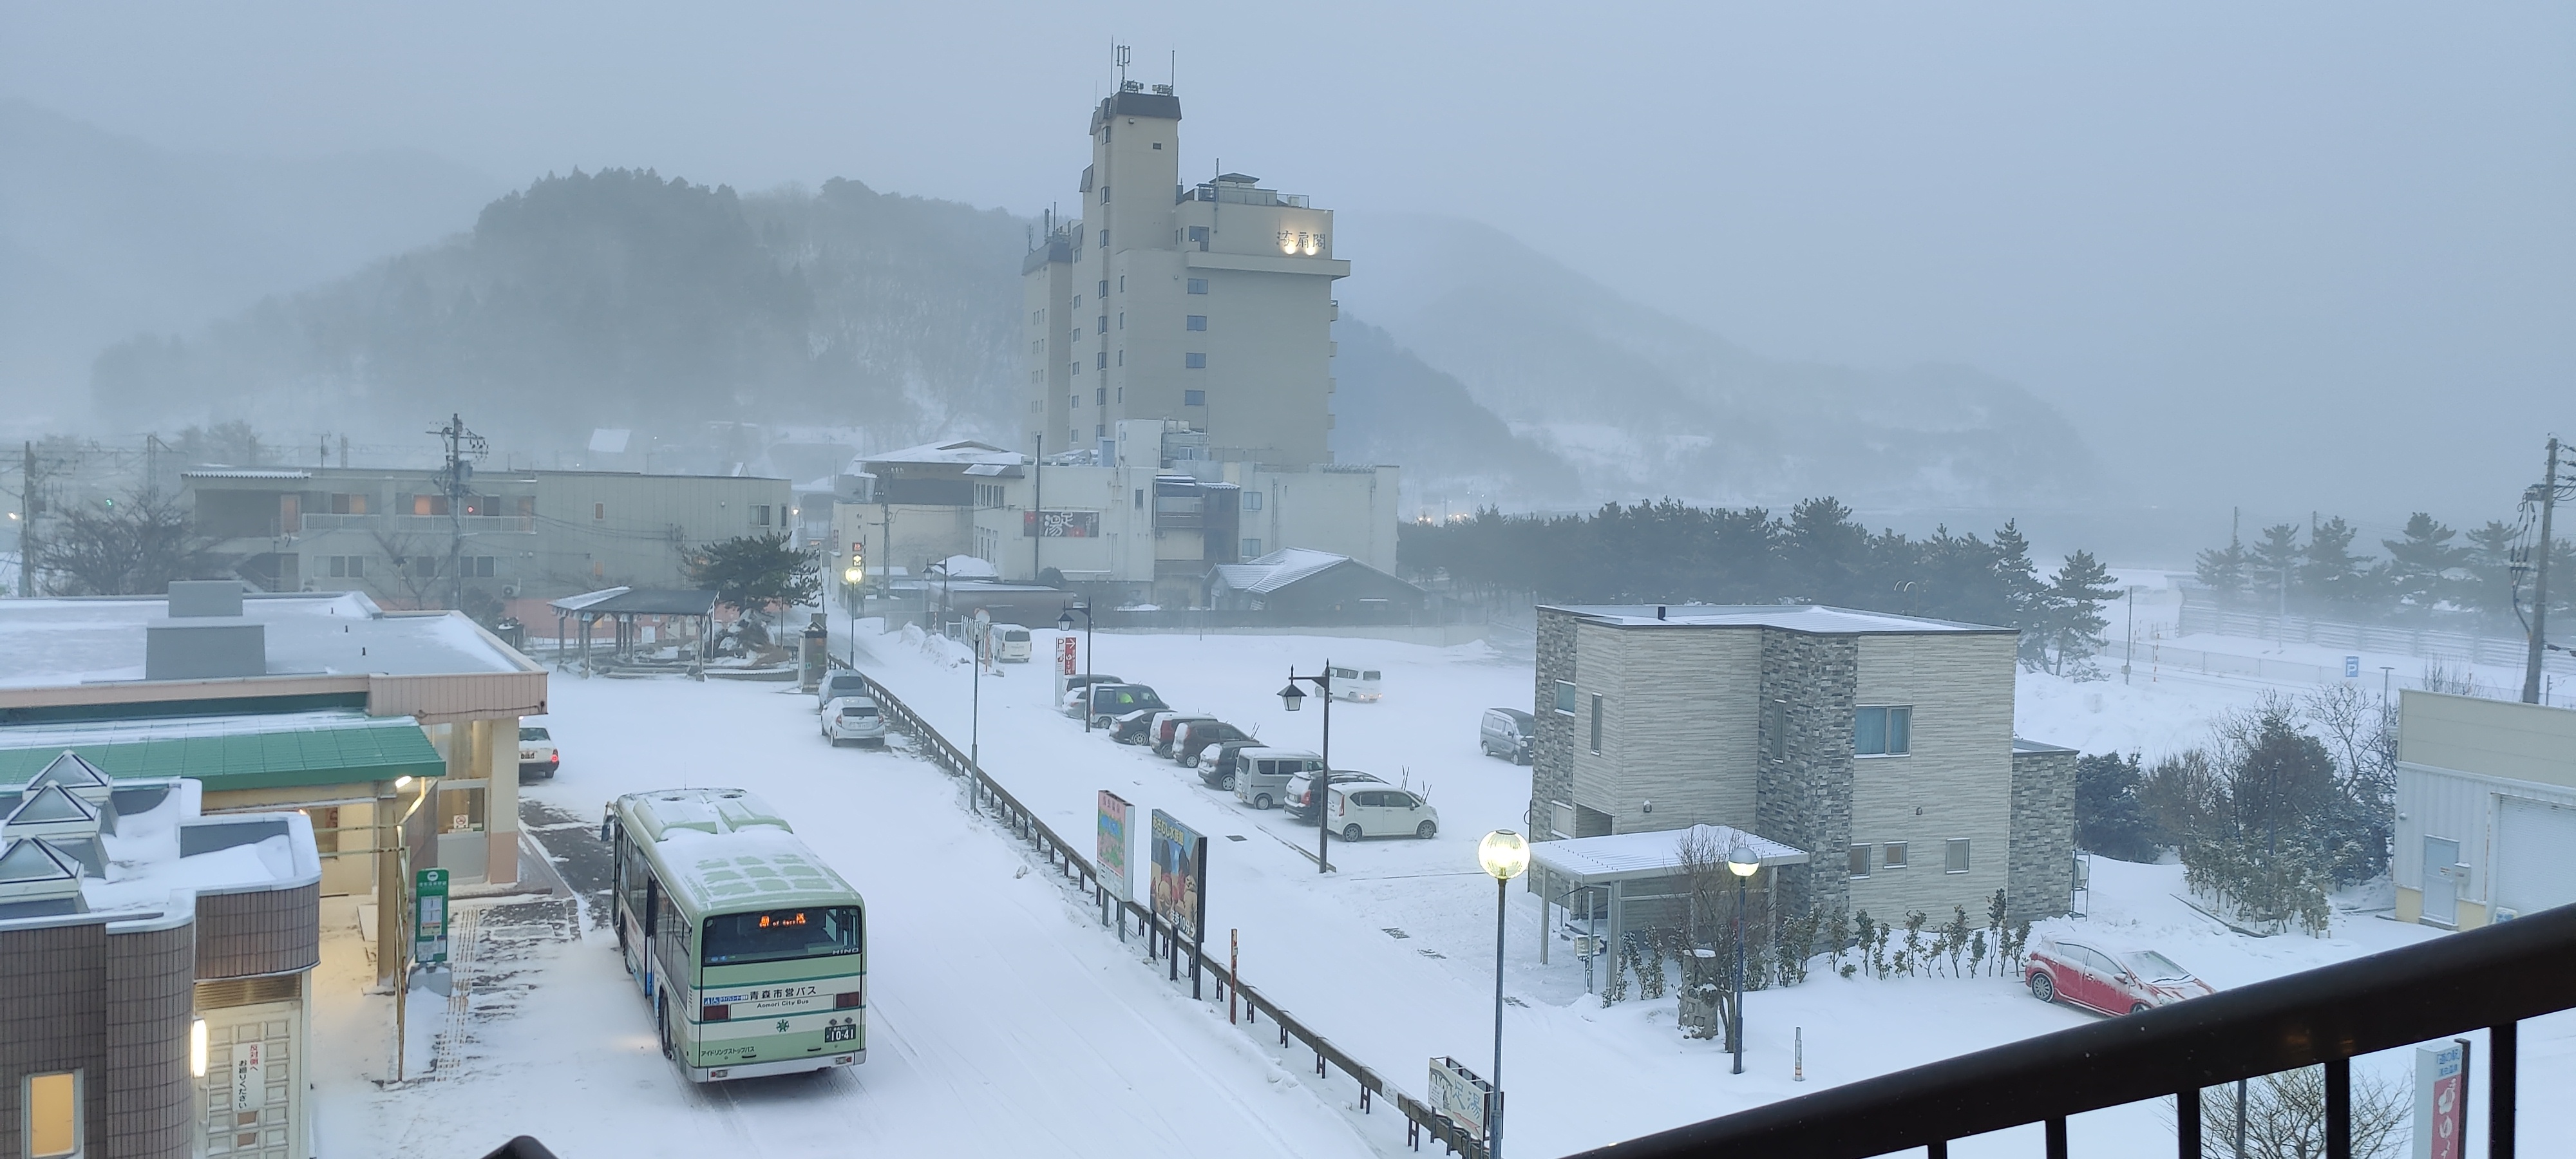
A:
473, 524
2491, 979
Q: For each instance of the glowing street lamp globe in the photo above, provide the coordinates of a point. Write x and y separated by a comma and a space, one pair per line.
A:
1741, 860
1504, 854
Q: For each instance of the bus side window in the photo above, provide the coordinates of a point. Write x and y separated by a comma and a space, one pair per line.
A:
651, 907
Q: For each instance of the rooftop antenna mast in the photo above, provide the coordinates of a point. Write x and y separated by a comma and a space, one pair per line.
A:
1123, 54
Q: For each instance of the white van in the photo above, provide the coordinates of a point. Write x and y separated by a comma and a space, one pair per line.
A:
1381, 810
1354, 684
1010, 643
1261, 775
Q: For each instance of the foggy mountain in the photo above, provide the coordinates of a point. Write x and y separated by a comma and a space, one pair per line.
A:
102, 236
1389, 407
621, 299
1641, 403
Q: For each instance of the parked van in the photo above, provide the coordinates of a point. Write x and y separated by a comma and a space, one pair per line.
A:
1110, 701
1303, 802
1261, 775
1217, 761
1354, 683
838, 683
1508, 733
1365, 810
1009, 643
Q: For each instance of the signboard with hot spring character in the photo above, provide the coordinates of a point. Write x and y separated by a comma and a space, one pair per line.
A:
1179, 856
1110, 850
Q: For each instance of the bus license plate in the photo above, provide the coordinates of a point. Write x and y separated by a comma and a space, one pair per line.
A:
845, 1032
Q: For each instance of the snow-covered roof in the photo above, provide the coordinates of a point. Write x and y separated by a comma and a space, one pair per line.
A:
154, 858
53, 642
609, 440
957, 452
1657, 853
1277, 569
968, 567
1794, 617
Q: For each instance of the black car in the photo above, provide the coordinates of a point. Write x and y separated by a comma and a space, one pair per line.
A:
1304, 803
1135, 727
1203, 734
1216, 766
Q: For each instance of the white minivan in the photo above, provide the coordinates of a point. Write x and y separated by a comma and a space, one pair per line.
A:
1362, 810
1010, 643
1355, 684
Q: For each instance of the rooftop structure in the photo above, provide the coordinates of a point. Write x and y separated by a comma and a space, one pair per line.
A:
1817, 618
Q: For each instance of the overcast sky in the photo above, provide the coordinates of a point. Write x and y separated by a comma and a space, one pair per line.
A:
2294, 254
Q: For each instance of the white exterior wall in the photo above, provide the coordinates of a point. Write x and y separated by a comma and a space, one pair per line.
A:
1956, 782
2460, 758
1342, 510
1679, 720
1124, 550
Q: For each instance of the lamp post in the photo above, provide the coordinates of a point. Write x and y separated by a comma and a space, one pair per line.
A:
1322, 782
975, 713
1740, 861
1064, 623
851, 577
1504, 854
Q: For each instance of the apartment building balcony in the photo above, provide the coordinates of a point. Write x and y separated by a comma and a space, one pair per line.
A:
472, 524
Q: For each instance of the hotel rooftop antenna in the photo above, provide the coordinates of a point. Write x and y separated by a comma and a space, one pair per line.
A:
1123, 54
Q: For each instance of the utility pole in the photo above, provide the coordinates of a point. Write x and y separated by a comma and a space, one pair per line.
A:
30, 505
1037, 509
2540, 580
464, 447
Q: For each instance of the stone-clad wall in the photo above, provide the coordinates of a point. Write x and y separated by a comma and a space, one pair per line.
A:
2043, 834
1552, 755
146, 1090
53, 1016
1806, 792
272, 931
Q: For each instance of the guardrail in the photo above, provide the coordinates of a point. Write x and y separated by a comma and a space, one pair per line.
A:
2490, 978
989, 795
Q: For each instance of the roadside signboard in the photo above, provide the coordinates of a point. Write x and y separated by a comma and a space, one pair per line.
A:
1110, 853
1063, 663
429, 926
2351, 667
1179, 856
1459, 1096
2441, 1100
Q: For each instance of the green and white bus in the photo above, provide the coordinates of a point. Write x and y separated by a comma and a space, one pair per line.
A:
750, 950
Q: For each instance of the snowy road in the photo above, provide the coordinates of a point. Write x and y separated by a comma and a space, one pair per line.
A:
1001, 1021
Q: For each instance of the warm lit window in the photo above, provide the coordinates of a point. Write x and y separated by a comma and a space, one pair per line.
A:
53, 1115
1882, 731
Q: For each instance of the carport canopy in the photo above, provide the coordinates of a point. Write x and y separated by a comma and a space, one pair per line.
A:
1621, 865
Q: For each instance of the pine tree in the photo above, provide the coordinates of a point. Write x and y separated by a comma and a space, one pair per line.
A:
2223, 571
2488, 584
2330, 571
2075, 598
2418, 565
2276, 557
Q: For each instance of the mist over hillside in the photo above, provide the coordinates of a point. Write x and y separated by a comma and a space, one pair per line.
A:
102, 236
1642, 403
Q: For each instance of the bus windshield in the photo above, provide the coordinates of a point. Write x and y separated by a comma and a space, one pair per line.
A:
781, 934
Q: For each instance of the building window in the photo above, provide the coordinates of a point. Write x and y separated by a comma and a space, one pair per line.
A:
1895, 857
1101, 396
760, 515
1102, 360
345, 566
1955, 858
1140, 499
1252, 549
1194, 361
1122, 319
1199, 237
53, 1104
1197, 322
1104, 244
1122, 358
1252, 500
598, 511
1859, 864
348, 505
1104, 194
1883, 731
1104, 323
1100, 430
477, 566
1194, 398
1596, 722
1198, 285
1565, 697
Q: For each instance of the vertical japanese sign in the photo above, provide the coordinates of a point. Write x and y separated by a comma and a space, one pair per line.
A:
250, 1073
1063, 665
1179, 860
429, 925
1110, 854
2441, 1100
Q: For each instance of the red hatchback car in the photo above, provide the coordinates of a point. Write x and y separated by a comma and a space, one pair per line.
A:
2111, 981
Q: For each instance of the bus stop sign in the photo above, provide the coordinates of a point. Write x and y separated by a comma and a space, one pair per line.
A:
429, 925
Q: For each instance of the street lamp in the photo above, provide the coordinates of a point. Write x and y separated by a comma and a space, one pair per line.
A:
1504, 854
1322, 782
851, 577
1064, 623
1740, 861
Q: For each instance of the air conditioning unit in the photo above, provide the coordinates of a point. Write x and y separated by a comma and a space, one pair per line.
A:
509, 591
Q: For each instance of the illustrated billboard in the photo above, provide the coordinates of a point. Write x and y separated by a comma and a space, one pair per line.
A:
1060, 524
1459, 1096
1110, 853
1179, 857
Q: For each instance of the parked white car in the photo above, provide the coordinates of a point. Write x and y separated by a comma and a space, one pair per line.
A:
854, 718
1365, 810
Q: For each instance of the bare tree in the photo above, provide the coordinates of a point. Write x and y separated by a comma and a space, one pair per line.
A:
2285, 1117
116, 549
417, 585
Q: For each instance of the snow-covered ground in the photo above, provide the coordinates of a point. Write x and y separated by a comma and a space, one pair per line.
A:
1005, 1020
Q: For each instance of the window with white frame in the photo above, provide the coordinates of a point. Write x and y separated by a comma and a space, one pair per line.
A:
1895, 855
1566, 697
1955, 858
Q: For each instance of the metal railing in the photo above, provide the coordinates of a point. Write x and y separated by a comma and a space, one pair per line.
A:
2490, 978
990, 798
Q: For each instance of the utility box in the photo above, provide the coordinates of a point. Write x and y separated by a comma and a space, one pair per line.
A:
814, 654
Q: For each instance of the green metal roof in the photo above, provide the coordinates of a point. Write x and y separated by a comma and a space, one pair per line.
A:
232, 752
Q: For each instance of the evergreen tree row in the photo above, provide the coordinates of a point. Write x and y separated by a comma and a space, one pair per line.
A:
2431, 571
1668, 552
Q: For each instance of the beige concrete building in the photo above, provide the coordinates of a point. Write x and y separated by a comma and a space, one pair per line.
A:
1881, 745
1206, 302
2486, 809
